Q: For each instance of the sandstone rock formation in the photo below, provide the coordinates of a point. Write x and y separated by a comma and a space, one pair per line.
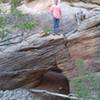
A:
59, 85
46, 81
28, 62
84, 44
86, 1
92, 1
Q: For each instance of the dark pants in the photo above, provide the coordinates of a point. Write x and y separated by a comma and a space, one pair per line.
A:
56, 23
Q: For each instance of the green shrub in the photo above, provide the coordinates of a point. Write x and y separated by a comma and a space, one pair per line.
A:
3, 33
85, 85
3, 29
14, 4
80, 64
4, 1
1, 1
46, 30
17, 12
28, 25
2, 22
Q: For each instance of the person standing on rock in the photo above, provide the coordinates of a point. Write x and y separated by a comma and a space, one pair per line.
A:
56, 13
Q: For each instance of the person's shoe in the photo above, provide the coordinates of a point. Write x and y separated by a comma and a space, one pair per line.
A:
61, 30
53, 33
60, 35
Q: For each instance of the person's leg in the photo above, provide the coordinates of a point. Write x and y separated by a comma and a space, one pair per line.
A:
55, 25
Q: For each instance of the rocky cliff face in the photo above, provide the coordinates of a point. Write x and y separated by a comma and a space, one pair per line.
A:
76, 52
92, 1
86, 1
29, 62
84, 44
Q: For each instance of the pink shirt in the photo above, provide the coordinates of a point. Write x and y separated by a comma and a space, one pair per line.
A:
56, 11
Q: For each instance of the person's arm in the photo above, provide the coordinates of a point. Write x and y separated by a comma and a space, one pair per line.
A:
60, 11
51, 9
